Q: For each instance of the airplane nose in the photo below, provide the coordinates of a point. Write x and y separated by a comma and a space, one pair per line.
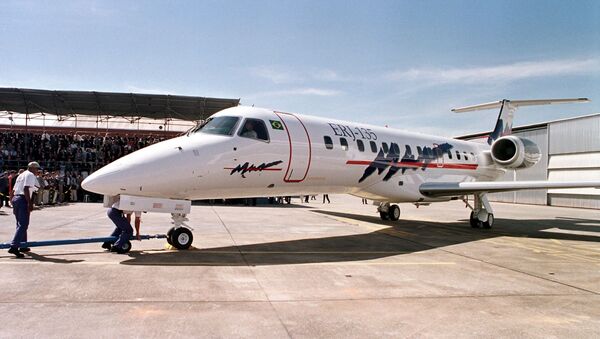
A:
144, 172
109, 180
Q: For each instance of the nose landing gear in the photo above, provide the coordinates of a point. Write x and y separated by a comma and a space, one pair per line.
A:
180, 235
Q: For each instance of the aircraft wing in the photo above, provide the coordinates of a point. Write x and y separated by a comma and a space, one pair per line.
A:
441, 189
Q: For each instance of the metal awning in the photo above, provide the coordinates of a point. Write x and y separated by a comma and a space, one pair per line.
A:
155, 106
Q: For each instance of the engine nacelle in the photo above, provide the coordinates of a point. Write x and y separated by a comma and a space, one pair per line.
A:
514, 152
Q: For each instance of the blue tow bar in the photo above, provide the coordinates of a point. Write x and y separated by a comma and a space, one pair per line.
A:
79, 241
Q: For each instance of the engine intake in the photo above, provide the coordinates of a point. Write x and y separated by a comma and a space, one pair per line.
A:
515, 152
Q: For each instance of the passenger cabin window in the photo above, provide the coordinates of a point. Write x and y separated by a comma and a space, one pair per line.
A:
449, 154
394, 149
419, 151
344, 143
408, 152
254, 129
458, 155
373, 146
465, 154
385, 147
218, 125
328, 142
361, 145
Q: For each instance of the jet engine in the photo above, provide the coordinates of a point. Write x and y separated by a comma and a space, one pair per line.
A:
515, 152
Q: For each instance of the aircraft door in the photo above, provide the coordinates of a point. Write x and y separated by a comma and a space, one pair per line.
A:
300, 148
439, 156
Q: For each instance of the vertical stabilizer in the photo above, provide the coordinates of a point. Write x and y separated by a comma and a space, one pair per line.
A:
504, 122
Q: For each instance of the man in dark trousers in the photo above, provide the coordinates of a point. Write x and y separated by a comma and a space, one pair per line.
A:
21, 198
4, 195
123, 230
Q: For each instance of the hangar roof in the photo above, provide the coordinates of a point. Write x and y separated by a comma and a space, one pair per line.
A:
155, 106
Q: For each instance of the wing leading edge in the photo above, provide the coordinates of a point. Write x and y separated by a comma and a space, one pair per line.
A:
441, 189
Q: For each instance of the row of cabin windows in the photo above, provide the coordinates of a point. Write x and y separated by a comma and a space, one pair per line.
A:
428, 152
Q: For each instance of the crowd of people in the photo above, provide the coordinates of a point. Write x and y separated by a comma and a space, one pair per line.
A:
65, 159
78, 152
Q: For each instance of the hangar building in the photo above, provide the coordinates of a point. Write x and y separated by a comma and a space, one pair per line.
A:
570, 152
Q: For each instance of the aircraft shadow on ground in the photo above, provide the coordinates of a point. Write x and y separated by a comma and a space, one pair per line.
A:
404, 237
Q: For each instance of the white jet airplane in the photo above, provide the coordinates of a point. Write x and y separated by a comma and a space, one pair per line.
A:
245, 152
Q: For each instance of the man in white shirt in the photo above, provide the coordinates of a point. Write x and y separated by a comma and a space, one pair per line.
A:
25, 185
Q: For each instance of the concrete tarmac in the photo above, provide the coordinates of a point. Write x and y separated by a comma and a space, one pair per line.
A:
310, 270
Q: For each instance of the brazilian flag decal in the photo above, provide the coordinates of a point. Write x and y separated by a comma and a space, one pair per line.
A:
276, 124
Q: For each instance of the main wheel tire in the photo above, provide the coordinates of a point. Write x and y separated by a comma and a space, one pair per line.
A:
384, 215
473, 220
394, 213
182, 238
489, 223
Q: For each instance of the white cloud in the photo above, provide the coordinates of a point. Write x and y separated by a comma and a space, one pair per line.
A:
275, 75
501, 73
323, 92
279, 75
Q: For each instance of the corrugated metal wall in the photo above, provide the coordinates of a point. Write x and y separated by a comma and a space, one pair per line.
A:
575, 136
574, 156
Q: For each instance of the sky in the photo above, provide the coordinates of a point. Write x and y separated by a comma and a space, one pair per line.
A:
403, 64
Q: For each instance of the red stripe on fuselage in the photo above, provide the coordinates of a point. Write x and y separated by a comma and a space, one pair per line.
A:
415, 164
256, 170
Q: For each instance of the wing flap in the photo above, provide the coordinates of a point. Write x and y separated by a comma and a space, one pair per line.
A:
440, 189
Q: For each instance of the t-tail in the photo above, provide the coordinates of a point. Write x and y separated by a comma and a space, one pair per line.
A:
507, 109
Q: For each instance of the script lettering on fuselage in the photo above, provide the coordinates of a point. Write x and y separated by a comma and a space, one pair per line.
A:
352, 132
246, 167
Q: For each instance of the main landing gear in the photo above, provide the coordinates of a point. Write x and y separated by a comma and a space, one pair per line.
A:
389, 212
482, 215
180, 236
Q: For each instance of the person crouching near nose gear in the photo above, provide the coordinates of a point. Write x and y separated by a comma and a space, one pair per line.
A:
21, 199
123, 229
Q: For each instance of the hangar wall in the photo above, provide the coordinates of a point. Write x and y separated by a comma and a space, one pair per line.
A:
570, 152
574, 154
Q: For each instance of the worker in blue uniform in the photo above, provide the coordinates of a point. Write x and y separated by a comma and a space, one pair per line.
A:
123, 230
21, 199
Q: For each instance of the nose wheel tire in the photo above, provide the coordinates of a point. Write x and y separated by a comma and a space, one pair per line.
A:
394, 213
181, 238
169, 236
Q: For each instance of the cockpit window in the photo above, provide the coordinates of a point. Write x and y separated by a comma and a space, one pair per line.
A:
254, 129
218, 125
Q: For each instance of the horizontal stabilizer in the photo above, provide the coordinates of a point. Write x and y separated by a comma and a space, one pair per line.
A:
441, 189
517, 103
